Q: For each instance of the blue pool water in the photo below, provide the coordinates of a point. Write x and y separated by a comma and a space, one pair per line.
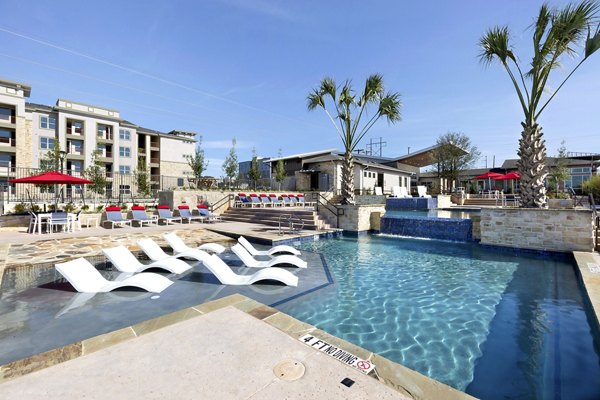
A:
493, 324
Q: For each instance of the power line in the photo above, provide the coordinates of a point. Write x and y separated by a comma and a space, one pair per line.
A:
144, 74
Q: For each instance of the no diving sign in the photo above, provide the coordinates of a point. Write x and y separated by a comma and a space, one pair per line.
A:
337, 353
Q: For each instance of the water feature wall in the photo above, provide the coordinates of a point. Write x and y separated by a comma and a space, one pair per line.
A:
458, 229
432, 228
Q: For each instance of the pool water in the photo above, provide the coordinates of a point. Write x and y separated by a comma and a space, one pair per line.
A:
493, 324
435, 213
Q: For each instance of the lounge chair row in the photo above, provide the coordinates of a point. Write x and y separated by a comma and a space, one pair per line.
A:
114, 217
271, 200
402, 193
85, 278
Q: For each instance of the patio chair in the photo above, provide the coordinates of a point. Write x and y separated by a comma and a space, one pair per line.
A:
186, 214
155, 253
210, 217
378, 191
242, 200
422, 190
285, 200
58, 219
251, 262
180, 247
138, 214
85, 278
114, 217
123, 260
293, 200
275, 200
165, 214
76, 221
302, 201
226, 276
255, 201
33, 222
282, 248
577, 200
264, 199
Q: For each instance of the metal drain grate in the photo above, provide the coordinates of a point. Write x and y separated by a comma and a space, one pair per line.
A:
289, 370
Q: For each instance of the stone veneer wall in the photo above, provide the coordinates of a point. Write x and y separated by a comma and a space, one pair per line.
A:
191, 197
369, 199
170, 168
24, 149
357, 218
538, 229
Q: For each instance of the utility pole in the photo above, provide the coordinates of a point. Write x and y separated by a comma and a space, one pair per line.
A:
380, 144
485, 162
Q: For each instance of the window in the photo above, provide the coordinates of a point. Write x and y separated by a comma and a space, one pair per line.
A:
5, 114
124, 151
125, 189
76, 166
124, 169
48, 122
124, 134
46, 143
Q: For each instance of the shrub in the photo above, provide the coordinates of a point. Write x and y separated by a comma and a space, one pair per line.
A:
592, 186
20, 208
99, 209
85, 208
70, 207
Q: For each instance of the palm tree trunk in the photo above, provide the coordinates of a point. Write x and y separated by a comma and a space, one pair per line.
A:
348, 179
532, 166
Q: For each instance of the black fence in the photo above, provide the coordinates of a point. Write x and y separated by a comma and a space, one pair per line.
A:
118, 188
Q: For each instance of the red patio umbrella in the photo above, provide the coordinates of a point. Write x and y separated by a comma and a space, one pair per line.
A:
509, 176
51, 177
488, 175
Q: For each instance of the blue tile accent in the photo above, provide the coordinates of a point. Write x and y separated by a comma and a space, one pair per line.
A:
415, 203
433, 228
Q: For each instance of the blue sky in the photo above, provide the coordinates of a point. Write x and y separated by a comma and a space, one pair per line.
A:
243, 69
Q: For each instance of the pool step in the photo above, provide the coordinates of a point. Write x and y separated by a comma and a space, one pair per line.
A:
277, 216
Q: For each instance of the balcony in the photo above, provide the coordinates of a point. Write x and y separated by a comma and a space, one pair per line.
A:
154, 145
104, 138
7, 142
154, 161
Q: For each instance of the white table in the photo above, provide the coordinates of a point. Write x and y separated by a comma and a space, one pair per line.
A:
45, 217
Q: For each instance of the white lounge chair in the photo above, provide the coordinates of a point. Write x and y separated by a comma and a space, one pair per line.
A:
139, 215
422, 190
226, 276
86, 279
114, 217
210, 216
155, 253
282, 248
125, 261
179, 245
251, 262
378, 191
186, 214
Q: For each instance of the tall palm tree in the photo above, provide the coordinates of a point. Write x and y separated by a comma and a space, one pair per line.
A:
345, 105
556, 32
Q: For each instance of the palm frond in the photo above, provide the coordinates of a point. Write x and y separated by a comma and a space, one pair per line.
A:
346, 95
592, 43
315, 99
329, 87
390, 107
374, 89
495, 44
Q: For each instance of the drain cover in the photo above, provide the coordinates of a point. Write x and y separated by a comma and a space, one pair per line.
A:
289, 370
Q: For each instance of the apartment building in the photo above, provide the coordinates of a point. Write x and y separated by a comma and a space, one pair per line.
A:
29, 130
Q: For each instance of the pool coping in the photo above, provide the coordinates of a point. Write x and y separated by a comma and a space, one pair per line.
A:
590, 281
393, 375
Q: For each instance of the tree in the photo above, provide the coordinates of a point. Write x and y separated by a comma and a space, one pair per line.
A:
280, 171
254, 173
345, 105
560, 172
50, 162
556, 32
197, 163
97, 174
230, 165
454, 154
142, 178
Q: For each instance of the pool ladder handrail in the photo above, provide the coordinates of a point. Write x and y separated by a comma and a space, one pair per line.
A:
293, 226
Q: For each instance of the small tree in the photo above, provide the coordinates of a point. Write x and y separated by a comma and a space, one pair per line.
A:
197, 163
454, 154
97, 174
254, 173
560, 172
50, 162
280, 171
230, 165
142, 178
592, 186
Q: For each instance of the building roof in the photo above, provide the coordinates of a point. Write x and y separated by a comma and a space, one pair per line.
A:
550, 161
421, 158
17, 85
336, 156
304, 155
38, 107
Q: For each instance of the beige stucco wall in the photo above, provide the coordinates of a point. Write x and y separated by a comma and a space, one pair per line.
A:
191, 197
539, 229
358, 218
369, 199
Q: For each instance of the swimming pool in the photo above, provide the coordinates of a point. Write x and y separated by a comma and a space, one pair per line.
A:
493, 324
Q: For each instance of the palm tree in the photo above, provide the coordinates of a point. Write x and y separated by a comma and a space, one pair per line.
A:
345, 104
556, 32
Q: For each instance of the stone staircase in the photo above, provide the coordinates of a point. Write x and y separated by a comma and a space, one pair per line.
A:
276, 215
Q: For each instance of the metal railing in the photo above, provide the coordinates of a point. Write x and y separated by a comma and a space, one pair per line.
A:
322, 203
227, 199
293, 224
